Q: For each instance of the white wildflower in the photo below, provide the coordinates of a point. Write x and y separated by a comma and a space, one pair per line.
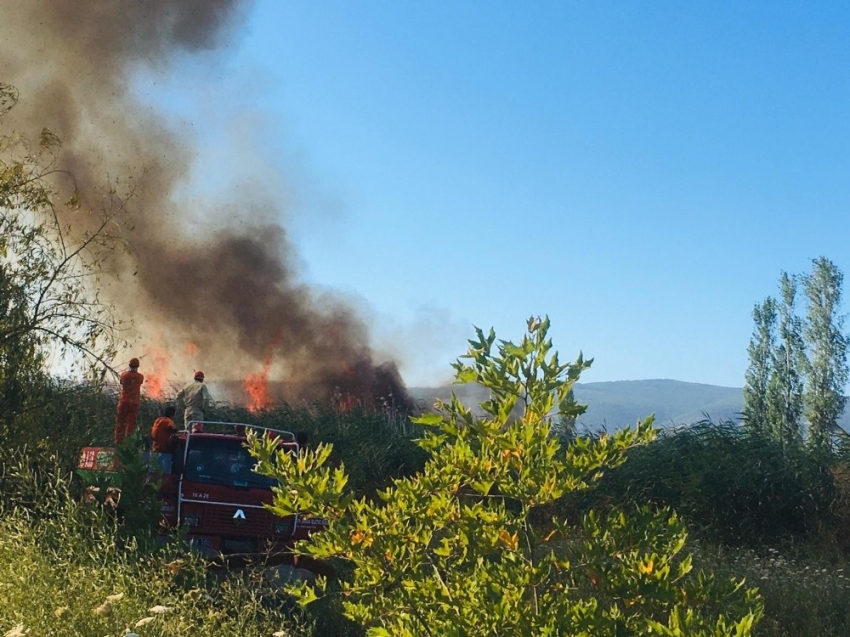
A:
104, 609
159, 610
115, 598
17, 631
144, 621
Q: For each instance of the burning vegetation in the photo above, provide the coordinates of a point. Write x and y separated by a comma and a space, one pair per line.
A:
257, 387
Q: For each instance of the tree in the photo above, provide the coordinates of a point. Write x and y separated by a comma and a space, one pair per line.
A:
466, 547
801, 372
20, 356
50, 309
50, 281
761, 366
789, 365
827, 346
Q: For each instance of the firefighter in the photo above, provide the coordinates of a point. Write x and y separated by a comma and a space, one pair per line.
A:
163, 431
195, 399
128, 401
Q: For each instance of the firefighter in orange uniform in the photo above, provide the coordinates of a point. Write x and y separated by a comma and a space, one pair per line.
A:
128, 401
163, 431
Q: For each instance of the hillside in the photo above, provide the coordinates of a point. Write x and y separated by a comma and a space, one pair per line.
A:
618, 403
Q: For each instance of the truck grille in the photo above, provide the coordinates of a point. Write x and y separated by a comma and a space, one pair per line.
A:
227, 521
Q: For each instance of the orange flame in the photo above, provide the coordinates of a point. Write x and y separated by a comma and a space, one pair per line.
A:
257, 387
346, 402
344, 395
158, 362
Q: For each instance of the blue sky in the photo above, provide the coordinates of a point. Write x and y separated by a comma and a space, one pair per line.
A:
640, 172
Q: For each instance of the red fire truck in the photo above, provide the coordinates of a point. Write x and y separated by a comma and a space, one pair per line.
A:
208, 485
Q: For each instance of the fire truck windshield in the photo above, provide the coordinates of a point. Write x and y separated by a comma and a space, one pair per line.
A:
223, 461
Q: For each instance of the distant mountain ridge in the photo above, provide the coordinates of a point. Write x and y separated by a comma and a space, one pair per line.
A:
615, 404
618, 403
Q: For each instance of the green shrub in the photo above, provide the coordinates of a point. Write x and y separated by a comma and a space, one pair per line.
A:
731, 485
65, 417
455, 550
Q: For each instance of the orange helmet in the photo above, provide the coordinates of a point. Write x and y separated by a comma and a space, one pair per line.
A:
134, 362
199, 375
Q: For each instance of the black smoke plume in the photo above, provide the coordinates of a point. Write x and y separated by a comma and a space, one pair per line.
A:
224, 299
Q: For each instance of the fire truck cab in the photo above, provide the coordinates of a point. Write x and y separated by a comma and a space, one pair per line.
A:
208, 485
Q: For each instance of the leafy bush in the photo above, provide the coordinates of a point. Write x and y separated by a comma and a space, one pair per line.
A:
61, 418
730, 484
456, 549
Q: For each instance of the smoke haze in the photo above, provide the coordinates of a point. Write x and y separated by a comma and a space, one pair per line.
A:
223, 299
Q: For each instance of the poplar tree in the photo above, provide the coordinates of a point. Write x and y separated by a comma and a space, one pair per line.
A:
761, 366
789, 364
824, 398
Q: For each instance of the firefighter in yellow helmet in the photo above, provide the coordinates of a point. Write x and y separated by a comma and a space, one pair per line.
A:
195, 400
